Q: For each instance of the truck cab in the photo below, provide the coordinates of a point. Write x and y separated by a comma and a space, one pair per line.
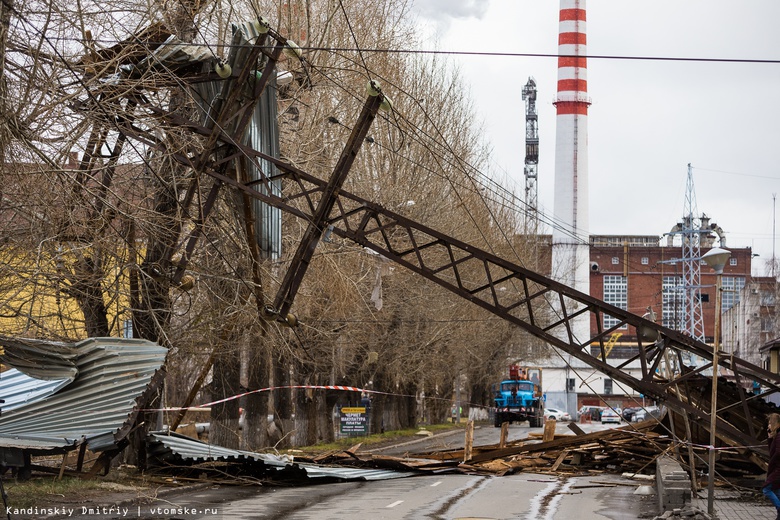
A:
519, 398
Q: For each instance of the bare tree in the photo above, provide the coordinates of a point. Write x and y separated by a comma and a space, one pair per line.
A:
95, 220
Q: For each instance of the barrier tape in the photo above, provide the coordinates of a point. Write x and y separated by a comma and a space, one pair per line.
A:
304, 387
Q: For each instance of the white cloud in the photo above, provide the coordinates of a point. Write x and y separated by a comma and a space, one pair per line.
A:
442, 12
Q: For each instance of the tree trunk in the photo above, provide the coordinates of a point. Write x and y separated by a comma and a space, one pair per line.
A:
305, 418
325, 408
378, 406
87, 289
408, 416
255, 432
282, 409
223, 430
6, 6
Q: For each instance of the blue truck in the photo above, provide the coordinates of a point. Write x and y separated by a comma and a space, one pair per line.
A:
519, 398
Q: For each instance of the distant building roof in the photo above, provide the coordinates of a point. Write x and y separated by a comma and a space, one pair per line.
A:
770, 345
621, 240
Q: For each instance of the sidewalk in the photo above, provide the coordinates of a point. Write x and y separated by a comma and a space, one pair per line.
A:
730, 506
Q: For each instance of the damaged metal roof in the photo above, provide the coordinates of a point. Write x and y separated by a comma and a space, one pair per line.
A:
178, 449
65, 393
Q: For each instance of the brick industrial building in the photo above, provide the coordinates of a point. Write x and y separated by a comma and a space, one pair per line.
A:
644, 272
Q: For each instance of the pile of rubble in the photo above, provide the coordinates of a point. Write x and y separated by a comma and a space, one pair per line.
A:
688, 512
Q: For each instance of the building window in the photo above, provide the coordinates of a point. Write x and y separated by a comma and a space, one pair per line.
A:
731, 285
733, 260
766, 324
570, 384
607, 386
127, 329
673, 302
615, 293
615, 260
645, 260
767, 298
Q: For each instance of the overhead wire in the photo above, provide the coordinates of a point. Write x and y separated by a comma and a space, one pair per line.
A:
471, 178
466, 168
445, 144
369, 50
106, 112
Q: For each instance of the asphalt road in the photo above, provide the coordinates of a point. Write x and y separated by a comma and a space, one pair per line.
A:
483, 435
448, 496
521, 496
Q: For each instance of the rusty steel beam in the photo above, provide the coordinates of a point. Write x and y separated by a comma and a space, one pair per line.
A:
469, 272
316, 226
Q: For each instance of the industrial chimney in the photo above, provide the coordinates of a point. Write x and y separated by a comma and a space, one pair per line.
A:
570, 236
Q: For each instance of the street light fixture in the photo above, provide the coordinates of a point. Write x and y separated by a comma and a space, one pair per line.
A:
716, 258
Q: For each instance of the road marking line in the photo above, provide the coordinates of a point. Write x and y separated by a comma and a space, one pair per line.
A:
394, 504
436, 484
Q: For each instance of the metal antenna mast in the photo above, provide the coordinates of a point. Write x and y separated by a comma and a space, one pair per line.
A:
531, 150
691, 231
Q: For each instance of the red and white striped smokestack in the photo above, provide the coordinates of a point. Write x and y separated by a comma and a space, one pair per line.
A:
570, 236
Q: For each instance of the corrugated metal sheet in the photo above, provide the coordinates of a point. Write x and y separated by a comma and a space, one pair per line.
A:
18, 389
262, 135
176, 53
178, 448
40, 359
97, 404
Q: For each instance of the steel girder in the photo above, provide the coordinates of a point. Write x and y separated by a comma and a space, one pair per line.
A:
506, 289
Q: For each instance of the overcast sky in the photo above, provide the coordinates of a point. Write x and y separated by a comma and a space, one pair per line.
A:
649, 119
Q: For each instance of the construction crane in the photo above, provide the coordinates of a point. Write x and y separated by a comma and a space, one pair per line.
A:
531, 150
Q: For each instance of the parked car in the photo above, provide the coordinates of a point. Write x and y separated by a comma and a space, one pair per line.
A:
646, 413
592, 412
558, 415
628, 413
610, 416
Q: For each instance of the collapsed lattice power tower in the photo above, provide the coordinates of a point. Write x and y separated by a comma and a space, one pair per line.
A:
463, 269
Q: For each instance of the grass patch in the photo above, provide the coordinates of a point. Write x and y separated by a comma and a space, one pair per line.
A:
375, 439
40, 490
47, 490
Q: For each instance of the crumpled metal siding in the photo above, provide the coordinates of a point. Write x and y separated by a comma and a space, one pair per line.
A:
262, 135
40, 359
174, 447
111, 374
18, 389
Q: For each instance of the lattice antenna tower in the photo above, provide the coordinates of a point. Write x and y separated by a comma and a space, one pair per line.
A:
691, 232
531, 153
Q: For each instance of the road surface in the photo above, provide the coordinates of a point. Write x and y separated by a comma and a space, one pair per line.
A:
438, 497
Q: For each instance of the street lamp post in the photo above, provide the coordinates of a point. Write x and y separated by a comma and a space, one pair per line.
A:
716, 258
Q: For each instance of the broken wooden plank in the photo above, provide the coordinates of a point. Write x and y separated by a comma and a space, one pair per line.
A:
504, 435
549, 430
469, 443
559, 460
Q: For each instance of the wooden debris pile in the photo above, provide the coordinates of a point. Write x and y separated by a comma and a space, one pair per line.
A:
631, 449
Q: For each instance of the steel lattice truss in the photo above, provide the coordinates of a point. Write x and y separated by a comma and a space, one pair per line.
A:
507, 290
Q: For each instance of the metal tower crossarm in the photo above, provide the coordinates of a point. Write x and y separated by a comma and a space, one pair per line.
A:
507, 290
